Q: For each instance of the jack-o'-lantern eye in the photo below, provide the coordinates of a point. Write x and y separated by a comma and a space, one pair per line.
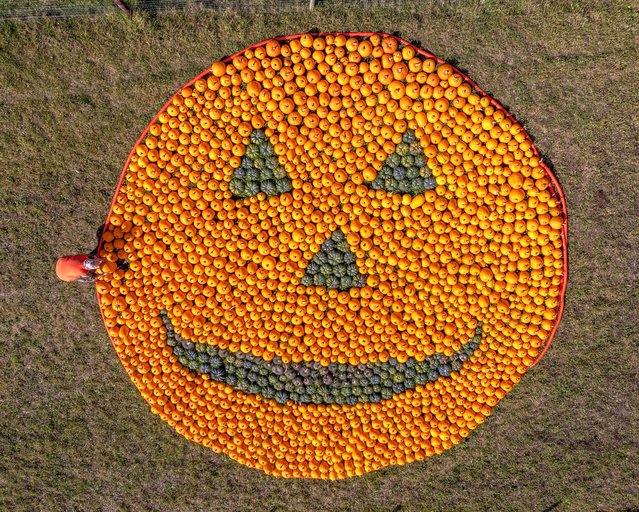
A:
406, 170
259, 170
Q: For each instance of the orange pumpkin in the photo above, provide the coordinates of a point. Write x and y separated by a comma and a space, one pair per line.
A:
335, 265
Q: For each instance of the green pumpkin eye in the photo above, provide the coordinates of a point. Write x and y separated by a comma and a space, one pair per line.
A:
260, 171
405, 171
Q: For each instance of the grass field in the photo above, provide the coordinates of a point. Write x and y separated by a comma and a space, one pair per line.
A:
75, 95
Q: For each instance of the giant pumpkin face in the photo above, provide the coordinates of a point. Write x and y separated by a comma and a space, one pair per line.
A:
342, 254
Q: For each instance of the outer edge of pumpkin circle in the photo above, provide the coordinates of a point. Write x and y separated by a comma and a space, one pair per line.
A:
556, 187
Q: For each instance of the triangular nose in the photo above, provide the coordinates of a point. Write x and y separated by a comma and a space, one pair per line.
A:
334, 266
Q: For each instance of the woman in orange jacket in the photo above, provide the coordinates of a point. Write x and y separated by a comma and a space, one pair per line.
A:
80, 268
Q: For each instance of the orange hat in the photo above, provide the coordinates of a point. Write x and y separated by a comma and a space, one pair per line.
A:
71, 268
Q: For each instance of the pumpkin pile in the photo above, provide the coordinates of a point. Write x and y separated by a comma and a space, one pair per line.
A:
340, 256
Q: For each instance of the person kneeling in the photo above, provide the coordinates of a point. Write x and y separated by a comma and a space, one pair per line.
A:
79, 268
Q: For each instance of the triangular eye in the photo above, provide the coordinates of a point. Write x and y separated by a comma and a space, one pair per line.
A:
260, 171
334, 266
405, 171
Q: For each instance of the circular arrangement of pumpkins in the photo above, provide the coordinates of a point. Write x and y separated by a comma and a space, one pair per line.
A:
340, 255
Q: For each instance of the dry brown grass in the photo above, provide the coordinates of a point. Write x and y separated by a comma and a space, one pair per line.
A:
75, 95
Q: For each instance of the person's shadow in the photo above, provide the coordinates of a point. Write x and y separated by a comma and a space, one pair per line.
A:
98, 235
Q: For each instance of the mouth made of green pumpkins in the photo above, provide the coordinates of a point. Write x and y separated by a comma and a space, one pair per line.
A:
311, 382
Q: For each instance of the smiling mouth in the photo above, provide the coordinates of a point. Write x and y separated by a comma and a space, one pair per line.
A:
305, 383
